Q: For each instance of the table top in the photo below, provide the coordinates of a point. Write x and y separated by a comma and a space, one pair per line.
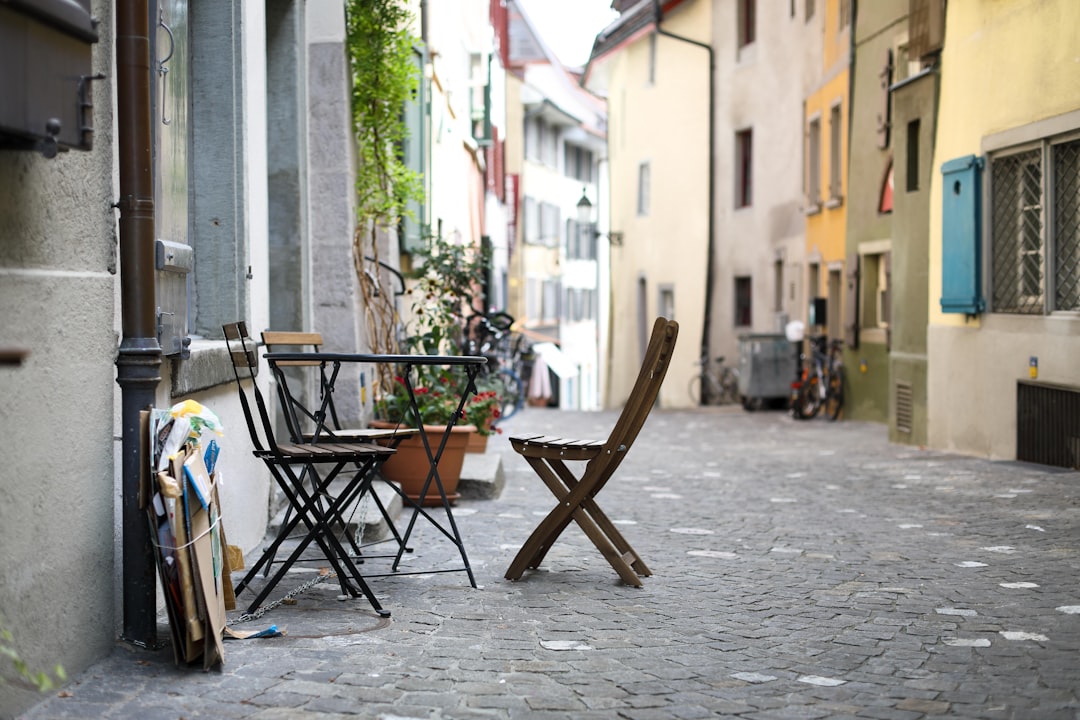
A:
376, 358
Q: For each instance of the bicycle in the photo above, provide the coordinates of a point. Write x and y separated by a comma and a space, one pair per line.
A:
488, 334
820, 382
719, 388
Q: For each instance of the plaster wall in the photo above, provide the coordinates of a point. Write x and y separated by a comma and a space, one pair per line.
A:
663, 123
1004, 67
58, 267
761, 87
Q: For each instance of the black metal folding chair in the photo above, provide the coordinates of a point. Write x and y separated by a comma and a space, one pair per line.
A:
317, 420
291, 464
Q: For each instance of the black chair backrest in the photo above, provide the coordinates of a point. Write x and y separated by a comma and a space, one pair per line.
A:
245, 363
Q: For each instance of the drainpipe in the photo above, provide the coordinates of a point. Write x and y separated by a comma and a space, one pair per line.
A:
706, 332
138, 363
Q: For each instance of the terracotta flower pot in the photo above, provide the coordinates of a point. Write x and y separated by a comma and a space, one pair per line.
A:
409, 466
477, 443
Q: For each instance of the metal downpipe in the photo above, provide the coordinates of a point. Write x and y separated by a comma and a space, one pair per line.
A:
138, 362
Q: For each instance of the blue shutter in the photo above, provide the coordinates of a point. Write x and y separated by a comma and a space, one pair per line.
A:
961, 236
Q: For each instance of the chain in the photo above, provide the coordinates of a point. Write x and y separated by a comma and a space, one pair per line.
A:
263, 609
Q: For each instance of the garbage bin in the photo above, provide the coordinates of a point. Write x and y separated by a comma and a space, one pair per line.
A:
766, 368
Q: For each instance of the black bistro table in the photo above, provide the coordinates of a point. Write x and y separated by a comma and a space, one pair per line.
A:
330, 364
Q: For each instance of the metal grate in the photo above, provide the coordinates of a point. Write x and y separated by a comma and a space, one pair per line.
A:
904, 407
1017, 239
1048, 424
1067, 226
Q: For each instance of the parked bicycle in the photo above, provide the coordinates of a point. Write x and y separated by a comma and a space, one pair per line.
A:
714, 388
820, 382
489, 335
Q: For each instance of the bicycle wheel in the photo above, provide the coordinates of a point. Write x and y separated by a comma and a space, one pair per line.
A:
808, 401
512, 392
834, 397
729, 386
694, 388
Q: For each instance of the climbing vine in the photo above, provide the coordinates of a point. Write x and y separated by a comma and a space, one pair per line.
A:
385, 78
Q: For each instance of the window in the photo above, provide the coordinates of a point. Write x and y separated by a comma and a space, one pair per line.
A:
550, 221
809, 10
652, 59
746, 20
778, 286
911, 182
836, 143
874, 303
531, 210
549, 309
666, 301
1035, 247
580, 304
580, 240
532, 140
549, 143
643, 189
813, 166
744, 168
578, 163
845, 13
743, 302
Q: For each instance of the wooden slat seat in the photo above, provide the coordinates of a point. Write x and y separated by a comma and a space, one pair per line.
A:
576, 495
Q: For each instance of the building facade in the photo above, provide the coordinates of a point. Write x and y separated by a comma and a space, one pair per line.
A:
1004, 233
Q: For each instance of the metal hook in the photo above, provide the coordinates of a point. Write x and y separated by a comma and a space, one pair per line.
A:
163, 69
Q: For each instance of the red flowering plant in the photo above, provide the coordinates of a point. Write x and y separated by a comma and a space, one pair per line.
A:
437, 398
484, 410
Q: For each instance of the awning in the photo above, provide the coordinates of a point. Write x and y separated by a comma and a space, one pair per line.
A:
556, 359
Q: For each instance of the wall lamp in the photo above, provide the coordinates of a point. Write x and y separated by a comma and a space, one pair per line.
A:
585, 217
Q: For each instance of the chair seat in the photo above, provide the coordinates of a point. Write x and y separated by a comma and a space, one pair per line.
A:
550, 446
329, 452
361, 435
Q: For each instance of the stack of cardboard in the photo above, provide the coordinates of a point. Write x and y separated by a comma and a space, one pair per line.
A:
180, 494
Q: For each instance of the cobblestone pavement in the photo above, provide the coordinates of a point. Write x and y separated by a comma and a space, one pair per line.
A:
801, 570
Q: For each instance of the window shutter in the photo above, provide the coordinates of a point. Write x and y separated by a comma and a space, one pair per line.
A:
961, 255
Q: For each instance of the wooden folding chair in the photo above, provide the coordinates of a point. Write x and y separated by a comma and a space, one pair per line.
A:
290, 464
548, 456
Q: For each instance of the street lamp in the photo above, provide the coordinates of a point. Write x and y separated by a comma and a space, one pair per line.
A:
585, 213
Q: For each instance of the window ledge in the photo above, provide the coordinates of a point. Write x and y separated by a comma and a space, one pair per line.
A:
208, 366
813, 208
834, 202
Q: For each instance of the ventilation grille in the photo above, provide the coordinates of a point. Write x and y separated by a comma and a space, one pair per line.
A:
904, 407
1048, 424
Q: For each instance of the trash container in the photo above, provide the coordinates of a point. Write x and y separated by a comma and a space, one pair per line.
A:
766, 368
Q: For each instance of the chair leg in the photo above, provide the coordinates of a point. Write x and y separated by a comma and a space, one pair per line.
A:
574, 505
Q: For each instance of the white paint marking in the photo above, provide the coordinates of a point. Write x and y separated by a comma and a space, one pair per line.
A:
1019, 635
822, 681
564, 645
666, 496
909, 526
692, 531
782, 500
958, 642
956, 611
1018, 585
753, 677
900, 486
970, 564
1069, 609
713, 554
1003, 549
1034, 527
787, 551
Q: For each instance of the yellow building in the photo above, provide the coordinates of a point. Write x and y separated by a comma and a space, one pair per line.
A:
826, 116
1004, 335
658, 137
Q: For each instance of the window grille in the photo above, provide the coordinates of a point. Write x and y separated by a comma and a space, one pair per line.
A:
1035, 229
1067, 226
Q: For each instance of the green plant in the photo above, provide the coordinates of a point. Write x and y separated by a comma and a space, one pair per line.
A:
40, 680
385, 78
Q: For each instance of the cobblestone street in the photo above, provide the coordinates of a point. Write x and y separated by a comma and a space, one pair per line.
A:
801, 570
